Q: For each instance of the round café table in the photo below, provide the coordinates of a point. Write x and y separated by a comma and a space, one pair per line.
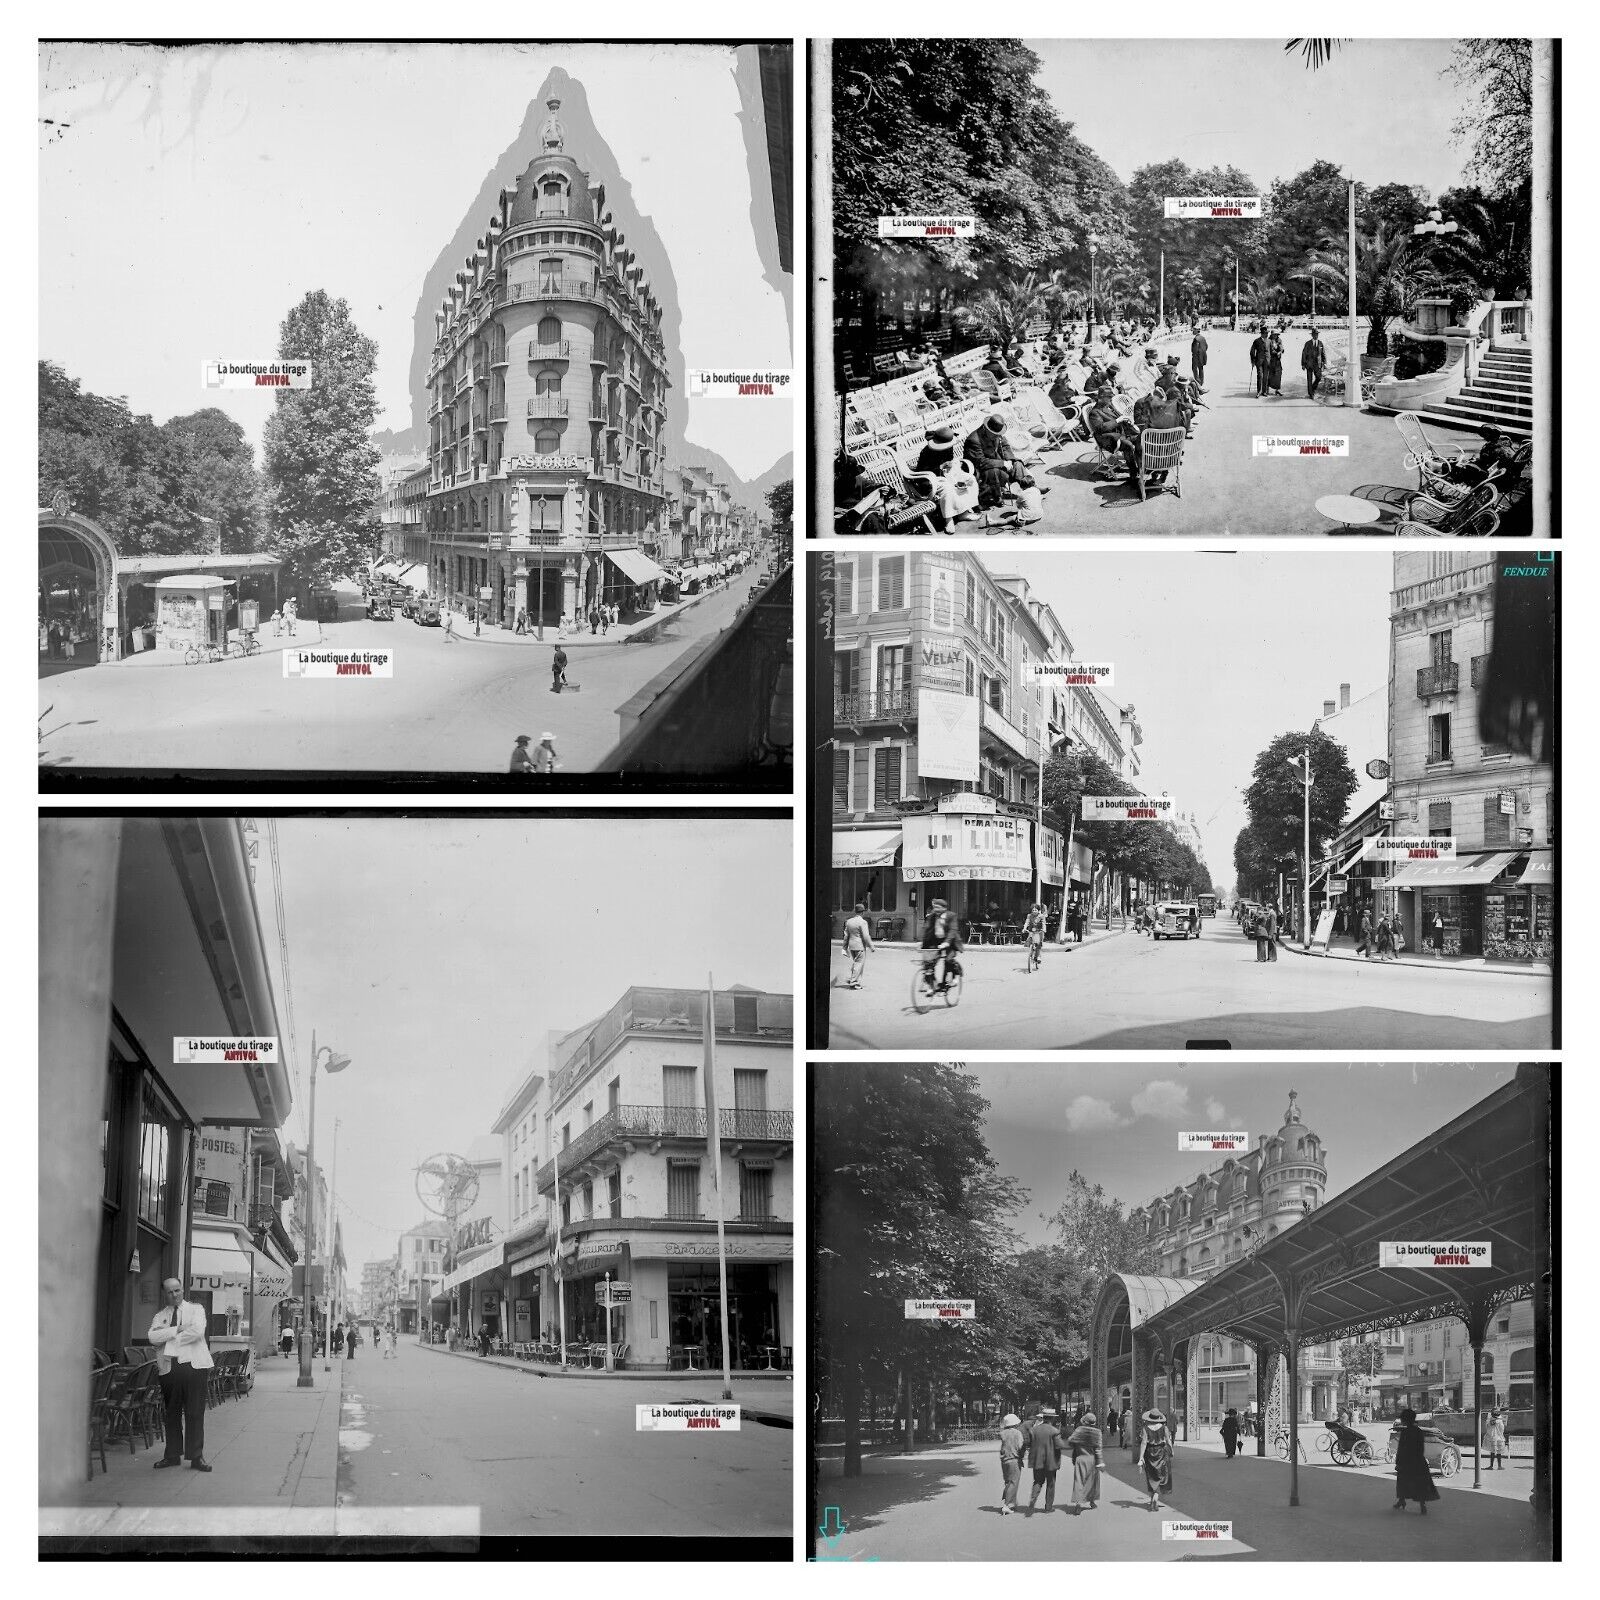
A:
1348, 511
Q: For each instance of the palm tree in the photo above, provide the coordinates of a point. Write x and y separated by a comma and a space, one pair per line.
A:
1485, 249
1314, 272
1390, 274
1318, 52
1063, 297
1004, 311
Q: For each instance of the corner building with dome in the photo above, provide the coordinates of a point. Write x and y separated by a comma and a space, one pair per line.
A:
546, 416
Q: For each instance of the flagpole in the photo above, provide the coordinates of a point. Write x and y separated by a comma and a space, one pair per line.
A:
714, 1139
561, 1281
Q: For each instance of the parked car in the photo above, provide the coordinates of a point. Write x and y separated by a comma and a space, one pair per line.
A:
380, 610
426, 613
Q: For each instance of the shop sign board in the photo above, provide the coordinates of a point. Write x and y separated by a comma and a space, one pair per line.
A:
947, 735
951, 846
942, 581
613, 1294
1052, 868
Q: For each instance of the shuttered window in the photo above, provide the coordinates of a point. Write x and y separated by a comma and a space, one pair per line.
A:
841, 780
1496, 824
683, 1189
1439, 817
755, 1193
744, 1013
885, 779
844, 587
1439, 737
677, 1086
846, 670
749, 1091
891, 583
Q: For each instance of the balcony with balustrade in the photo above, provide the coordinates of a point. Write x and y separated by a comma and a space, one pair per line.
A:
624, 1129
1444, 587
556, 350
549, 405
1441, 678
896, 705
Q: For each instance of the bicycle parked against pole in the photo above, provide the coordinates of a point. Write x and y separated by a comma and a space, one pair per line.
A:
1280, 1445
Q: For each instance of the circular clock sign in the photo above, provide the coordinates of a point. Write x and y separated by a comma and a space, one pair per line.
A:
1377, 769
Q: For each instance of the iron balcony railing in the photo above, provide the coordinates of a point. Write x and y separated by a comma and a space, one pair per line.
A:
548, 405
883, 705
497, 412
547, 289
1442, 679
666, 1122
556, 350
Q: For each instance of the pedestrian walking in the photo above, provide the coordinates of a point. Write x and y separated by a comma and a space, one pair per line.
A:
1086, 1445
1364, 940
594, 618
1111, 1421
857, 942
1044, 1456
1438, 935
1275, 364
1258, 360
291, 614
1258, 932
522, 621
449, 627
483, 1341
393, 1352
277, 624
1313, 362
286, 1342
544, 758
521, 759
605, 619
1230, 1433
1197, 359
1155, 1455
558, 670
352, 1339
1012, 1443
1495, 1439
1412, 1480
337, 1345
182, 1360
1271, 927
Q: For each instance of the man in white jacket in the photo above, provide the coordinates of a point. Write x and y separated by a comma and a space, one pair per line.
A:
182, 1360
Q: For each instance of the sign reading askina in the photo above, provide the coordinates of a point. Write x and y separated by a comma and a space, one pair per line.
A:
205, 1052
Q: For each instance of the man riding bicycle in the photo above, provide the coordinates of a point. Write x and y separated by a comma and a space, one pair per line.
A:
941, 940
1033, 931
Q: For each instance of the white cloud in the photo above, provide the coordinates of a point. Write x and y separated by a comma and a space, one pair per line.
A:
1161, 1098
1088, 1115
1216, 1111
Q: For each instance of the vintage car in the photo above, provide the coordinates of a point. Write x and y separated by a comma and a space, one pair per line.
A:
1176, 919
379, 610
426, 613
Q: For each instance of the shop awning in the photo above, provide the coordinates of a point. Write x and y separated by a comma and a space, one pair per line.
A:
1540, 872
476, 1267
217, 1263
1474, 867
865, 847
636, 566
414, 577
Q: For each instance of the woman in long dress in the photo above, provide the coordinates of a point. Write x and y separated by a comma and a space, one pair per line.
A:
1085, 1442
1275, 364
1412, 1480
1155, 1455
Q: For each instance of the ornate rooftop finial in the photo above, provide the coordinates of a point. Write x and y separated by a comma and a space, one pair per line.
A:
553, 135
1293, 1113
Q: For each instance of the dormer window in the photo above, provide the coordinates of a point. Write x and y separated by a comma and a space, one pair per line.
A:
552, 197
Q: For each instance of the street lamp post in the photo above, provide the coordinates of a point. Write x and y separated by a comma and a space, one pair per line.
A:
1352, 367
336, 1063
1094, 247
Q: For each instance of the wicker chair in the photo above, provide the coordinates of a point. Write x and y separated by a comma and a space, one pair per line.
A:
99, 1396
130, 1404
1428, 458
1161, 450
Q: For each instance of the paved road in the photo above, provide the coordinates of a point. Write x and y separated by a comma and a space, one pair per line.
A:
944, 1506
1131, 992
451, 706
1227, 489
552, 1456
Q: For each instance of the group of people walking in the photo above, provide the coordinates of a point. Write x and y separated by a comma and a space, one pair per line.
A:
1041, 1444
1381, 939
1261, 923
1266, 359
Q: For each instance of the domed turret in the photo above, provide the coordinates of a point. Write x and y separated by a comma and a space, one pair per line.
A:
1294, 1173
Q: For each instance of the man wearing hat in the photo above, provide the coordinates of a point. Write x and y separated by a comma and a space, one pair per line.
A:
521, 761
953, 489
1197, 359
1495, 453
1313, 362
993, 464
1258, 359
1044, 1456
544, 758
1012, 1445
1112, 431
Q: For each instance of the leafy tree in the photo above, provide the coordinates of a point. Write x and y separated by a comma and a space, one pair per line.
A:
1359, 1358
321, 467
1256, 864
1274, 799
1492, 247
1398, 206
221, 465
1004, 311
1391, 272
780, 502
909, 1204
1096, 1237
1497, 77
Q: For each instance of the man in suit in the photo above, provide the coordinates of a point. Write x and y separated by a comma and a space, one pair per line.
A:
1313, 362
1197, 359
182, 1360
1258, 359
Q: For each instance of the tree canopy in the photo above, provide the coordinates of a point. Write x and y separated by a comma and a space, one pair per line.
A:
1271, 842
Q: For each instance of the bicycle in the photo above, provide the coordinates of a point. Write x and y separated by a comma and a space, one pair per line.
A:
247, 644
1280, 1446
1035, 951
1346, 1448
925, 989
196, 653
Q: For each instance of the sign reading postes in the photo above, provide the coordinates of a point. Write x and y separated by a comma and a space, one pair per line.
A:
1415, 847
613, 1294
1430, 1254
941, 1310
1087, 674
1187, 208
1129, 808
1213, 1141
198, 1052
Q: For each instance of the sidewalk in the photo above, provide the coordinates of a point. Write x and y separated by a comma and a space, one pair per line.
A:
275, 1455
1052, 946
773, 1392
620, 632
1418, 958
308, 633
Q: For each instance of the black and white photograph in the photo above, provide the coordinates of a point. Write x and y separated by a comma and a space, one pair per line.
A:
1163, 799
456, 372
1248, 286
497, 1252
1189, 1312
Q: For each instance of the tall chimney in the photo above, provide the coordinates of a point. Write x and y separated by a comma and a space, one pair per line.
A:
1327, 707
1344, 695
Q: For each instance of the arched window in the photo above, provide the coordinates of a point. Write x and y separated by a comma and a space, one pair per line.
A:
548, 381
547, 442
1183, 1266
549, 330
552, 196
1300, 1145
475, 522
1205, 1254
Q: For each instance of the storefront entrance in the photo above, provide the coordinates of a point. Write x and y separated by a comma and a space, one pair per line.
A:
693, 1314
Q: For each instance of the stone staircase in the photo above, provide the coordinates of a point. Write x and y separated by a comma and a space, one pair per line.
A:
1501, 394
